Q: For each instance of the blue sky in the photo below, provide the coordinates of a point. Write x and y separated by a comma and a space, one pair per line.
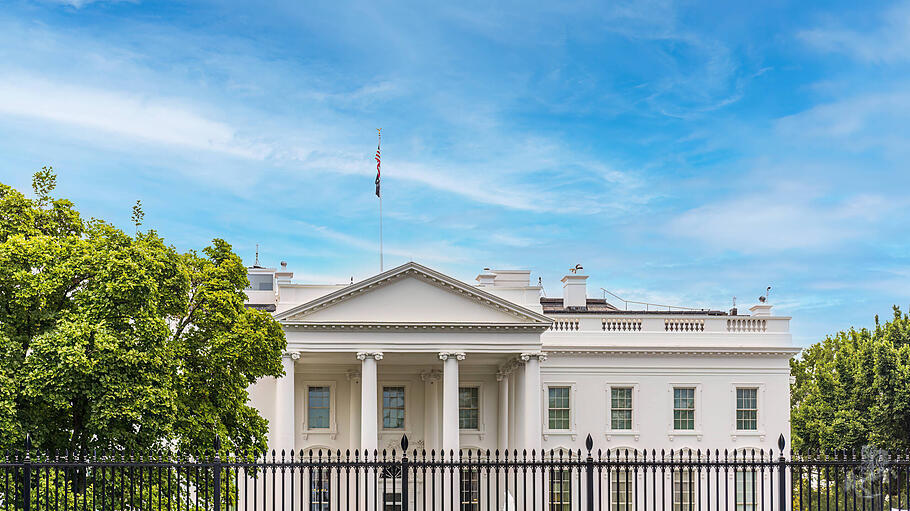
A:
683, 152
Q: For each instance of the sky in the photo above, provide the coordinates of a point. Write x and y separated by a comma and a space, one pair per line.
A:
684, 153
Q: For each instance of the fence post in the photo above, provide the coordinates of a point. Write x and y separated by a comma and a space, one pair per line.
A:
589, 473
404, 472
216, 465
782, 475
27, 474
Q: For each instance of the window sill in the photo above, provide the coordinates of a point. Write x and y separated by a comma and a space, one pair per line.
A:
684, 432
472, 432
560, 432
622, 433
332, 432
748, 433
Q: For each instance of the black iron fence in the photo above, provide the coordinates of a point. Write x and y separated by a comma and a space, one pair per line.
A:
614, 480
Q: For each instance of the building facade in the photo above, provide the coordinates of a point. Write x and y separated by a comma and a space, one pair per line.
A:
495, 365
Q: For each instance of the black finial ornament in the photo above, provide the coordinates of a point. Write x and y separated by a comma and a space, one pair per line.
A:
589, 443
781, 443
404, 443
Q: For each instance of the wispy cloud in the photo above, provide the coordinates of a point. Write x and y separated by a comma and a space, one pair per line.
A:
793, 218
887, 42
151, 119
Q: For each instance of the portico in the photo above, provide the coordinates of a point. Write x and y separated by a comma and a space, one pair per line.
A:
419, 354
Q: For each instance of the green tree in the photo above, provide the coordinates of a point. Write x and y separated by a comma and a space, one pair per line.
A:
853, 389
114, 341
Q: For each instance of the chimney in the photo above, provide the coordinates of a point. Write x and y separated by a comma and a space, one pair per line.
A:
486, 278
284, 276
761, 309
574, 291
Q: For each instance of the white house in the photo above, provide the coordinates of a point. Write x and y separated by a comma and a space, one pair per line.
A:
495, 365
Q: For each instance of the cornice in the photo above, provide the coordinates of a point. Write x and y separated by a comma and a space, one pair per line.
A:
415, 270
474, 327
679, 350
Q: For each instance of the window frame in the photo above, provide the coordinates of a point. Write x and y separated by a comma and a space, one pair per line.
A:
636, 400
473, 489
693, 477
381, 408
325, 503
753, 494
565, 478
545, 390
271, 277
628, 484
760, 416
697, 431
332, 430
480, 424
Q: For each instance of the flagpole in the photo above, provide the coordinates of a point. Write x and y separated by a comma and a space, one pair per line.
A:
379, 194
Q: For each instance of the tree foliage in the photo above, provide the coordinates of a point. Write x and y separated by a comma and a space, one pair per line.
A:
109, 340
853, 389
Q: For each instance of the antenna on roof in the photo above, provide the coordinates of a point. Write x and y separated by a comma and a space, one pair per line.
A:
256, 262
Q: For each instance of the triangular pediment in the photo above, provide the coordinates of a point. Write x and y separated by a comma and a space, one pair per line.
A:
412, 294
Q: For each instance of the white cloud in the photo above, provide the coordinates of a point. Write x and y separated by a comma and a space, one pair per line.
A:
867, 120
135, 116
780, 220
440, 251
888, 42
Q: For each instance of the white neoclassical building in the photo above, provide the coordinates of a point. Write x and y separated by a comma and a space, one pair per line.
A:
496, 365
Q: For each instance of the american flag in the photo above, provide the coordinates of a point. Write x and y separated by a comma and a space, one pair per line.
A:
378, 161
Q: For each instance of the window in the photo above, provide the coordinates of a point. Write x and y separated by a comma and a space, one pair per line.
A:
683, 489
621, 490
469, 408
558, 409
393, 407
391, 487
320, 490
746, 409
259, 282
318, 407
560, 491
392, 499
684, 408
470, 489
621, 408
745, 490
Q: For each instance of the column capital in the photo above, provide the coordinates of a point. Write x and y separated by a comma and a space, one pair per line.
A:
293, 355
353, 376
363, 355
500, 375
457, 355
507, 368
431, 376
539, 355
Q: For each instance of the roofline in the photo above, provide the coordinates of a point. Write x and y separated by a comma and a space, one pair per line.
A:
404, 268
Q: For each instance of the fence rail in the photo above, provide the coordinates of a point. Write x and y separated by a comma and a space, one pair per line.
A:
612, 480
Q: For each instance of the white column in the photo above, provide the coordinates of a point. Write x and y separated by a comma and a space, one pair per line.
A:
517, 434
431, 408
283, 437
369, 419
532, 397
502, 439
450, 433
354, 419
